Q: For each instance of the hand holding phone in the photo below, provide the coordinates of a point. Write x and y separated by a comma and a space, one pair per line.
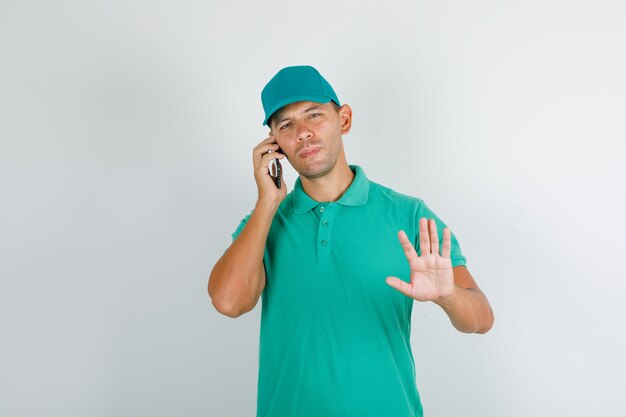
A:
266, 158
275, 171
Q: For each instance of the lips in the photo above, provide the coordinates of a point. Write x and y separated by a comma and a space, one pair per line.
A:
308, 152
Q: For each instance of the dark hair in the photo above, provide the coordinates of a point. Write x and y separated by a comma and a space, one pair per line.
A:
271, 118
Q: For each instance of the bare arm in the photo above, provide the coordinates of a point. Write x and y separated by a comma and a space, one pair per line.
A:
434, 279
467, 307
238, 278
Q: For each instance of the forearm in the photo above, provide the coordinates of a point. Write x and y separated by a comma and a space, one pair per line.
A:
468, 310
236, 279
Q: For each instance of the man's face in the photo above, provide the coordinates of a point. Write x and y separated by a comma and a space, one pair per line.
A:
309, 134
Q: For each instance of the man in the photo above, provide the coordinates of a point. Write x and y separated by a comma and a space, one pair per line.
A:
338, 262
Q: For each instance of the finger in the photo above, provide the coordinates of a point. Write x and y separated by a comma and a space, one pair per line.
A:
424, 239
268, 154
264, 162
261, 150
447, 243
399, 285
407, 246
434, 237
267, 141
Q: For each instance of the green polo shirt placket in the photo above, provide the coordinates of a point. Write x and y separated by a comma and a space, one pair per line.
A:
324, 213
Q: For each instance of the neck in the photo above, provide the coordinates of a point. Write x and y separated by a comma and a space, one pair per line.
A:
331, 186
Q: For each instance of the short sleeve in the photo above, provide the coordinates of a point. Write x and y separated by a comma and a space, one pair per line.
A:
456, 256
241, 226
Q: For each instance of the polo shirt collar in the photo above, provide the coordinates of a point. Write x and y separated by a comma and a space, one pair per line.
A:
355, 195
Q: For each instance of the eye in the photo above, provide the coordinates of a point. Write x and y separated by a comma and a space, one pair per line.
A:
315, 114
283, 126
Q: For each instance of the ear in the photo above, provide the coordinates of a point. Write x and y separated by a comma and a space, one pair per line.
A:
345, 115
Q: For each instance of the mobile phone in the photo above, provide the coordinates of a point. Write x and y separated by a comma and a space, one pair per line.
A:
275, 170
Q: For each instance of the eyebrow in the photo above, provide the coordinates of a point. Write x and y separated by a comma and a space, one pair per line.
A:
287, 118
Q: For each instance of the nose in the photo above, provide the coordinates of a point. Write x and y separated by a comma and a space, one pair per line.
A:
303, 132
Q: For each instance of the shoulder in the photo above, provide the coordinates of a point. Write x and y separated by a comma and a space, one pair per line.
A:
381, 194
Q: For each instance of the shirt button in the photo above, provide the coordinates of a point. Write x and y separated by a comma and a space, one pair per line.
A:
321, 209
325, 223
323, 242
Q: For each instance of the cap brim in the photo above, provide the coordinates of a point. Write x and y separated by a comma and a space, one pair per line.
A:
293, 99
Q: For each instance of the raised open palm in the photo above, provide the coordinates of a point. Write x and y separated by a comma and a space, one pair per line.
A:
431, 273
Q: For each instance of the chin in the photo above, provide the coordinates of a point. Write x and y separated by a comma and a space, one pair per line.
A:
312, 173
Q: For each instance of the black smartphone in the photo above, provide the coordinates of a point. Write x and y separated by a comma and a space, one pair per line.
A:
276, 170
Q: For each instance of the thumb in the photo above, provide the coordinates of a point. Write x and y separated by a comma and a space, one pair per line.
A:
398, 284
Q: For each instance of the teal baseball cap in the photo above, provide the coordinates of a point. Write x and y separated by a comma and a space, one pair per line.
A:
297, 83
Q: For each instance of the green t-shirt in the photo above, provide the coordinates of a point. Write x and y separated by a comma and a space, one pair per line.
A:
335, 337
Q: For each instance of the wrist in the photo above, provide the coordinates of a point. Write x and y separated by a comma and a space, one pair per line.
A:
447, 300
267, 203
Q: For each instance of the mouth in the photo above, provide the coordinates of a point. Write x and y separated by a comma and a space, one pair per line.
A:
308, 152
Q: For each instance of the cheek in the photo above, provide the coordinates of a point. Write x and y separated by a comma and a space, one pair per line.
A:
285, 149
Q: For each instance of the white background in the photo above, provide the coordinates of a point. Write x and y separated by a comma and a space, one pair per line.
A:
126, 132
